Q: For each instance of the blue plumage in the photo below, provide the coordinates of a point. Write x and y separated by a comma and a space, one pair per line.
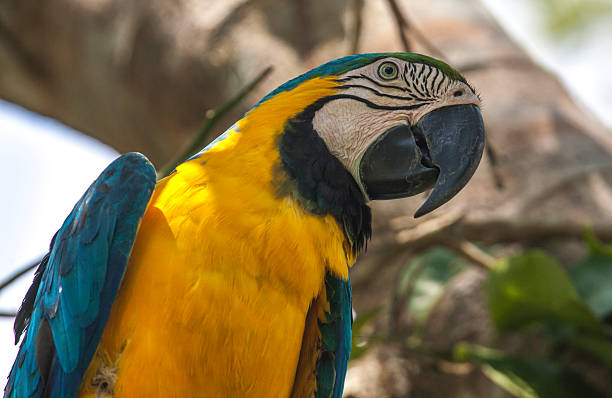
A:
344, 307
78, 280
335, 338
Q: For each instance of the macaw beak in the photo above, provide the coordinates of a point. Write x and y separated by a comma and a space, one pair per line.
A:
442, 150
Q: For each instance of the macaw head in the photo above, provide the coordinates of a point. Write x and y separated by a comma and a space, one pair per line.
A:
399, 123
423, 129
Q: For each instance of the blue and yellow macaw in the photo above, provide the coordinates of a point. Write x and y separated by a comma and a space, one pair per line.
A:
229, 278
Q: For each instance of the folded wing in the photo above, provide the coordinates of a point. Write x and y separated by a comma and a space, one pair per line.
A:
66, 309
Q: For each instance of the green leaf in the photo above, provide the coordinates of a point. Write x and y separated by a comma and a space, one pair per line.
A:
531, 288
566, 17
526, 377
592, 277
360, 344
596, 347
424, 281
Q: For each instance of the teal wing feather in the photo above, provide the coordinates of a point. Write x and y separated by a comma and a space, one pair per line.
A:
67, 307
335, 338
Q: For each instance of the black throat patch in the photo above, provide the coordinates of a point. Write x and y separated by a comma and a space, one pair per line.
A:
320, 181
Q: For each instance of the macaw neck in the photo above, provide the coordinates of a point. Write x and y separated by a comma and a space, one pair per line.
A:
320, 180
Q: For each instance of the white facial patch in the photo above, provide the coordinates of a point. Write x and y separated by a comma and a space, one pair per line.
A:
349, 127
370, 105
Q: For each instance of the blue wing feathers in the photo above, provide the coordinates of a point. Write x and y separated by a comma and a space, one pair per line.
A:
345, 322
77, 282
346, 329
335, 338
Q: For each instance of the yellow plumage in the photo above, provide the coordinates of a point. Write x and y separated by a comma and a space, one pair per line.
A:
223, 272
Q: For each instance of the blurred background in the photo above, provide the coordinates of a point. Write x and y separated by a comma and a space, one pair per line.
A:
506, 291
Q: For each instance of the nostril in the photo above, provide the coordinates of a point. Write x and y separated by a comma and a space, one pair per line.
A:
458, 93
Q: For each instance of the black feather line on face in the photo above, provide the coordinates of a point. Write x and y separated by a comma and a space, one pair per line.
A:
320, 181
440, 83
429, 94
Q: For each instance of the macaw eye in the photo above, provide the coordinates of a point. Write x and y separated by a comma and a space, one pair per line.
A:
387, 71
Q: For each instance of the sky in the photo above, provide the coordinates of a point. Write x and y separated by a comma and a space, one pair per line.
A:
45, 166
582, 62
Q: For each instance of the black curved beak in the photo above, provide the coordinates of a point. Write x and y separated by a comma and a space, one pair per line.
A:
442, 150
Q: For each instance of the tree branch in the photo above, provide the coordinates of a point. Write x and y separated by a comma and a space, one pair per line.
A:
498, 181
456, 231
356, 11
491, 231
505, 62
401, 23
429, 232
405, 24
472, 253
442, 231
12, 278
19, 273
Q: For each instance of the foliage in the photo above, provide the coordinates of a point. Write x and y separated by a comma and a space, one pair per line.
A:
593, 277
565, 17
425, 278
526, 377
421, 285
532, 287
529, 294
360, 342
